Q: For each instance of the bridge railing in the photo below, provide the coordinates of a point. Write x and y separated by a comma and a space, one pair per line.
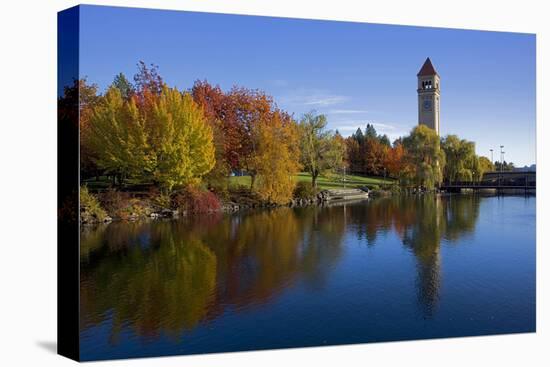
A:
492, 183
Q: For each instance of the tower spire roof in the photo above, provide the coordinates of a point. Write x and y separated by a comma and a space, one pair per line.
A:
427, 68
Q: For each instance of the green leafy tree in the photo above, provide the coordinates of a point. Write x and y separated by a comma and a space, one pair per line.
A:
358, 136
370, 132
504, 166
321, 151
461, 161
484, 165
426, 158
384, 140
124, 86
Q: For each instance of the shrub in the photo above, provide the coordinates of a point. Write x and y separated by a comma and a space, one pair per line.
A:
194, 200
114, 201
240, 188
395, 189
122, 205
90, 209
220, 189
158, 198
304, 190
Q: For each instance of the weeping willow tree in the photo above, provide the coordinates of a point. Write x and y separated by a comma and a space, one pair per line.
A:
425, 157
461, 161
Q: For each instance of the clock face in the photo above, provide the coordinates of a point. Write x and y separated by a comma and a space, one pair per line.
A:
427, 105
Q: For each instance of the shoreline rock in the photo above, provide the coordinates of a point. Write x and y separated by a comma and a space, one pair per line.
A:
235, 204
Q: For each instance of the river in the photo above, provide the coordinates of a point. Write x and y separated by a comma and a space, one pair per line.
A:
398, 268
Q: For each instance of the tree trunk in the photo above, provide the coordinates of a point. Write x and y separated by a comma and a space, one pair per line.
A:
252, 181
314, 180
120, 180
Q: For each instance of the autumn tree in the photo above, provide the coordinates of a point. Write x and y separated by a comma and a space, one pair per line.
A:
367, 152
85, 94
181, 140
353, 157
375, 154
251, 108
321, 151
395, 160
148, 78
226, 133
118, 137
236, 114
161, 138
275, 160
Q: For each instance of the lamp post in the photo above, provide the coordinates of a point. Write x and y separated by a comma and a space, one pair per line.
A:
501, 164
344, 176
492, 161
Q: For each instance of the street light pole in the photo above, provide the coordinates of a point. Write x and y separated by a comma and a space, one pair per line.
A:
344, 176
501, 164
492, 161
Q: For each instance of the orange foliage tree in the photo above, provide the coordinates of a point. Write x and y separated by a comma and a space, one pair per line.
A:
275, 160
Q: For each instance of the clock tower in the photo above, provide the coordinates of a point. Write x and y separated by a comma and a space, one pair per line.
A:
428, 96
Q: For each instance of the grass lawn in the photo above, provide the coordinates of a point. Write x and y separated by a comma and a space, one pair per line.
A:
323, 182
234, 181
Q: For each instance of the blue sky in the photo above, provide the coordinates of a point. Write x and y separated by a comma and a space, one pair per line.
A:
355, 73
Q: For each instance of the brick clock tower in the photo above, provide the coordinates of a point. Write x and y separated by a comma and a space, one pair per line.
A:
428, 96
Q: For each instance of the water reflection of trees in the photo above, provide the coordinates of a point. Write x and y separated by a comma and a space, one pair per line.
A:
166, 277
422, 222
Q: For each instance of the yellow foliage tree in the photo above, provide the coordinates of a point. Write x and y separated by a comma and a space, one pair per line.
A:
277, 158
117, 135
182, 140
166, 139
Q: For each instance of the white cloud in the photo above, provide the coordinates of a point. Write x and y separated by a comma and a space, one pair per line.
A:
345, 112
324, 101
312, 98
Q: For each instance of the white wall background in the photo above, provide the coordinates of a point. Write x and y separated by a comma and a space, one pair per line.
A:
28, 182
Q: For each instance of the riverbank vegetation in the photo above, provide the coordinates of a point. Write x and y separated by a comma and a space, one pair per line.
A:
146, 146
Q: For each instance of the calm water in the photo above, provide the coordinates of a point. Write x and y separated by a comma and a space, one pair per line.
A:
378, 270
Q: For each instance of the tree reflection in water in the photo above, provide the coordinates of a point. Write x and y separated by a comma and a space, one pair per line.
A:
167, 277
421, 222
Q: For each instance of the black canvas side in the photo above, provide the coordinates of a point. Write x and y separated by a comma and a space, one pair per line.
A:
68, 184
